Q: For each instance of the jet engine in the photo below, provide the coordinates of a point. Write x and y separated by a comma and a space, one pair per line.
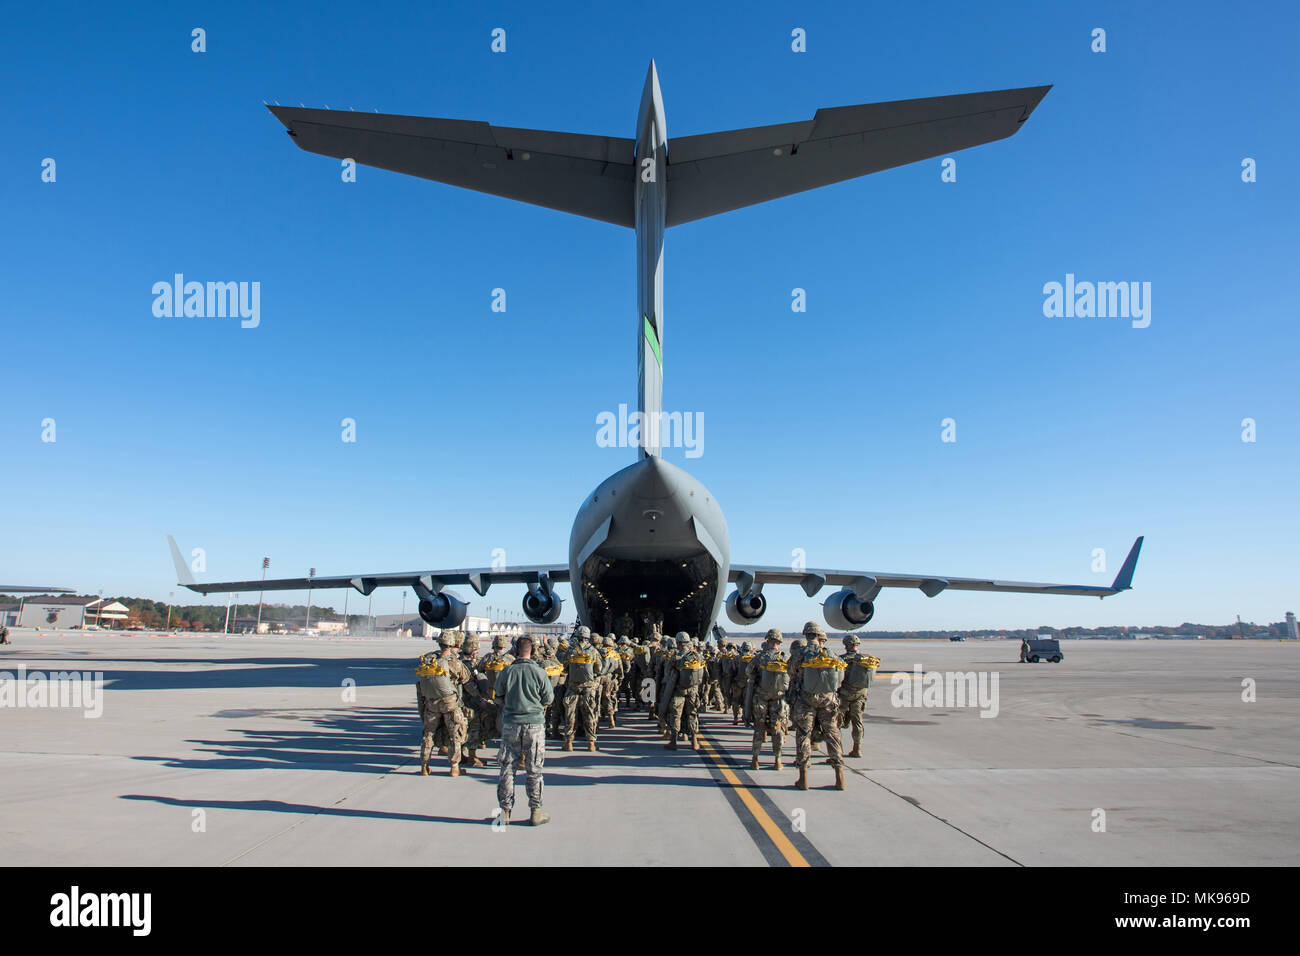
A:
845, 611
747, 609
442, 610
541, 606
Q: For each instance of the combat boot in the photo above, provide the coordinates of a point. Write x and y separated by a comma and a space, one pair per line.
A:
442, 749
568, 744
753, 764
471, 760
839, 778
505, 818
612, 725
777, 764
672, 743
855, 752
734, 720
695, 742
455, 770
538, 817
802, 782
591, 746
424, 769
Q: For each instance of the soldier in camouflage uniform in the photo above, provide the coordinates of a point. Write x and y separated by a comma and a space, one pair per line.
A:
642, 651
662, 666
818, 703
582, 695
491, 665
524, 691
626, 692
739, 676
561, 689
726, 670
611, 678
473, 702
766, 684
713, 693
555, 673
860, 670
686, 674
440, 678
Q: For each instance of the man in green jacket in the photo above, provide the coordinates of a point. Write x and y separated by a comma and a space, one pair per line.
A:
523, 692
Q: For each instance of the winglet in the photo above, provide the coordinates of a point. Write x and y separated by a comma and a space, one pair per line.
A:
1124, 580
183, 575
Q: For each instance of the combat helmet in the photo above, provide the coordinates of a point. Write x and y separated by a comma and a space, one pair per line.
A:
499, 642
851, 640
774, 634
450, 638
745, 647
583, 633
681, 636
813, 629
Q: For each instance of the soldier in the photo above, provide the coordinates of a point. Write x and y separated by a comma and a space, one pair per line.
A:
686, 674
726, 670
524, 691
766, 684
4, 634
582, 694
561, 689
739, 672
818, 704
441, 676
611, 678
554, 673
713, 691
474, 703
661, 681
626, 692
490, 666
859, 671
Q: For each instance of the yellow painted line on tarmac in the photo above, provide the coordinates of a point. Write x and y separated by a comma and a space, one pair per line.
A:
783, 844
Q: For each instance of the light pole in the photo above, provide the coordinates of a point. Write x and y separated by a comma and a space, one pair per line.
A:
370, 618
311, 573
169, 610
225, 629
266, 563
236, 607
99, 606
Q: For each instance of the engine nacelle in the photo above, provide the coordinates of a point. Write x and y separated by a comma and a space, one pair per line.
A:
845, 611
442, 611
541, 607
747, 609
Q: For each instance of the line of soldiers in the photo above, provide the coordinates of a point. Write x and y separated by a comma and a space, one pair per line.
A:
676, 678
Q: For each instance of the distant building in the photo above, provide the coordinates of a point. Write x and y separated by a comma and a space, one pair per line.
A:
69, 612
1291, 631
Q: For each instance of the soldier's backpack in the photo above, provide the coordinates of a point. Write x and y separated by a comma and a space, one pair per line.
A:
773, 680
821, 673
435, 678
861, 672
690, 670
584, 664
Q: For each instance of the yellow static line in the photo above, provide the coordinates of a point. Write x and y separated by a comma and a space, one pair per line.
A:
792, 856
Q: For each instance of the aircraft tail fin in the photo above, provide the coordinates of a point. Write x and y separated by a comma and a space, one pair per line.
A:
1124, 580
183, 575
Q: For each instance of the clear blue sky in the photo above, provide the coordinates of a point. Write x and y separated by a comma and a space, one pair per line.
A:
476, 430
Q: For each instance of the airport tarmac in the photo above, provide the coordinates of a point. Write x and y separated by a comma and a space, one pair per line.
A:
253, 738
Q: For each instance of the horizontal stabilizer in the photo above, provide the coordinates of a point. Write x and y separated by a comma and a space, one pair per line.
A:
717, 172
586, 175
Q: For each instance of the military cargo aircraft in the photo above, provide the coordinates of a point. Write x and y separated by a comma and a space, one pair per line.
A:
650, 545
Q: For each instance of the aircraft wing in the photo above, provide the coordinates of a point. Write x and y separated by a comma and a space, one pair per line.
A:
23, 589
590, 176
716, 172
867, 584
480, 579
